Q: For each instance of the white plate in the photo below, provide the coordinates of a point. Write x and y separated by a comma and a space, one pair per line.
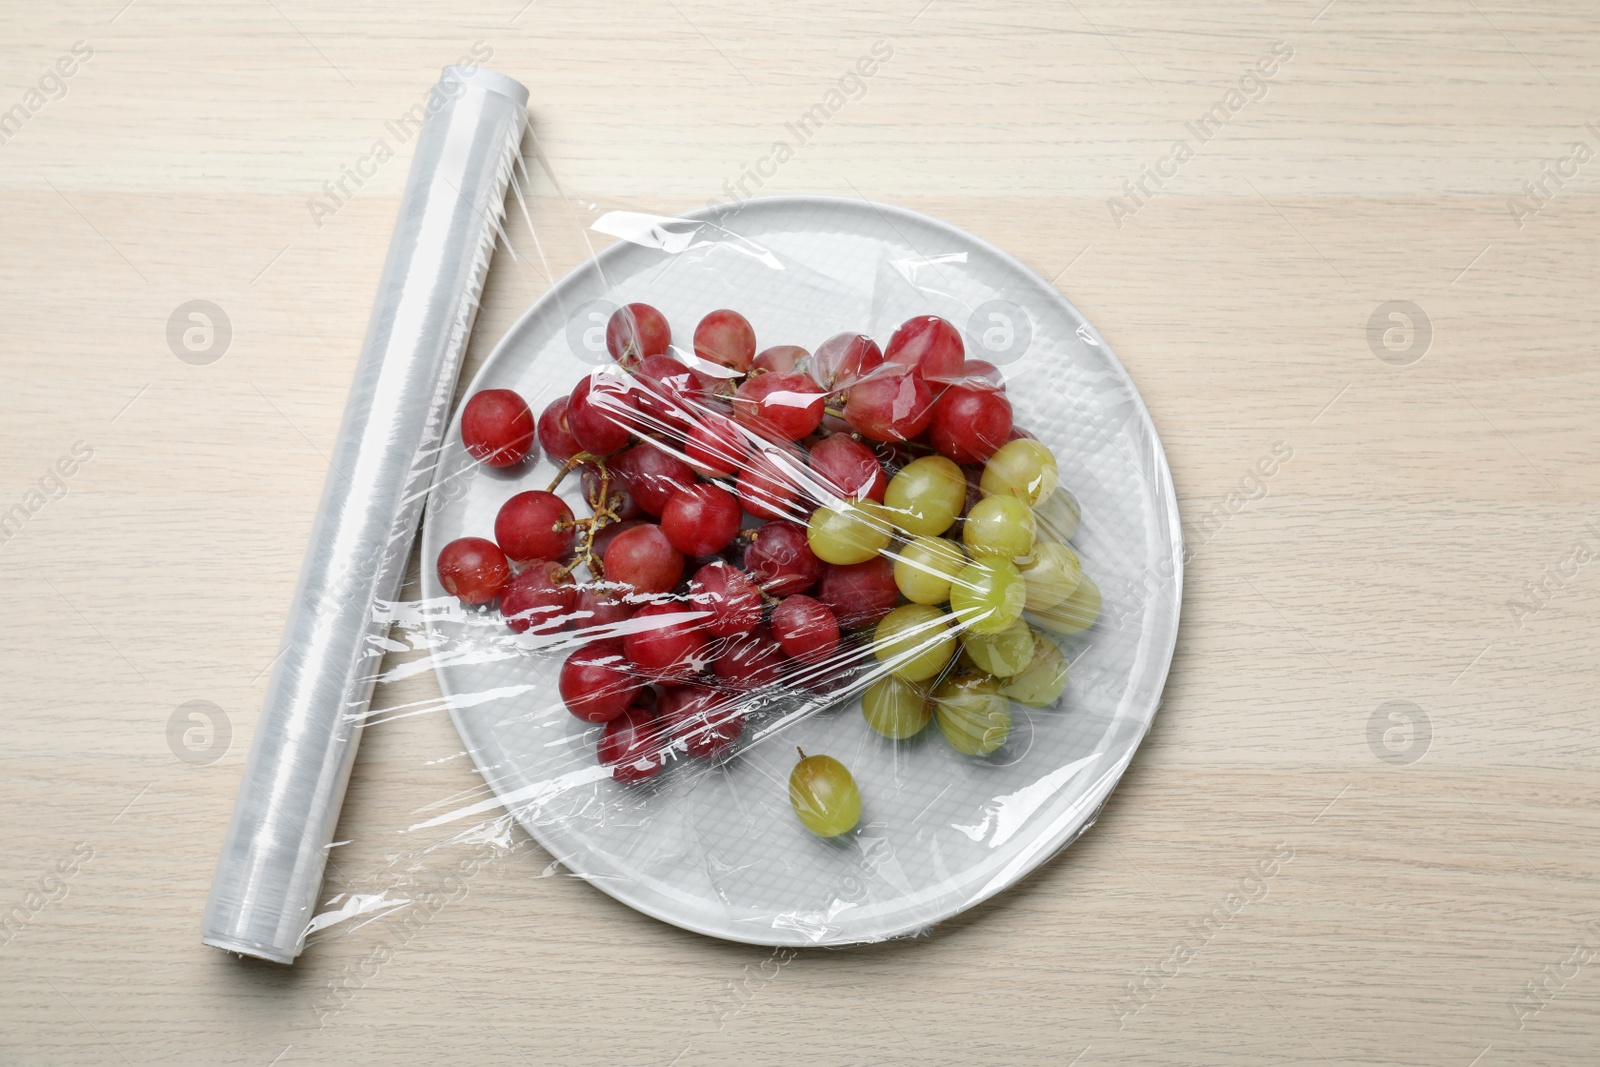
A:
717, 849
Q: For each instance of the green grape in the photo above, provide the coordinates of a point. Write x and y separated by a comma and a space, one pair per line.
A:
915, 641
1058, 516
1075, 614
1052, 575
924, 569
999, 526
896, 708
926, 496
987, 596
1022, 468
848, 532
1041, 683
1001, 654
972, 713
824, 796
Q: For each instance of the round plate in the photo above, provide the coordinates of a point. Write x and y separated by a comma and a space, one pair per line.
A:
716, 848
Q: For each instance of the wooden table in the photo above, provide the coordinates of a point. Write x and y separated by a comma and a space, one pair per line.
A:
1385, 683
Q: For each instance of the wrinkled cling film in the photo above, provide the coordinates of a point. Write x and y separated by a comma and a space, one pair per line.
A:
710, 841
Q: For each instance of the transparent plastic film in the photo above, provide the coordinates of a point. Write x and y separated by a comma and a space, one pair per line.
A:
271, 866
798, 571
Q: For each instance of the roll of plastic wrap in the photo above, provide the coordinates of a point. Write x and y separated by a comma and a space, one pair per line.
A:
272, 862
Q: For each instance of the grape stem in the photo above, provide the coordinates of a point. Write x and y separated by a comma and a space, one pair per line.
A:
571, 465
604, 503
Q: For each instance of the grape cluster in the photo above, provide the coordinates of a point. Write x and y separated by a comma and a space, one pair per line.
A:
782, 518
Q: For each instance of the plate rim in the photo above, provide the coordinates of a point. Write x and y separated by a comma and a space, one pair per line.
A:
1058, 841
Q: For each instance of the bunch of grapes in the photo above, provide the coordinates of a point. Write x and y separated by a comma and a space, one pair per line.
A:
779, 519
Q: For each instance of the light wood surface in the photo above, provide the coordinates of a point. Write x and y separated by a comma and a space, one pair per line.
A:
1422, 898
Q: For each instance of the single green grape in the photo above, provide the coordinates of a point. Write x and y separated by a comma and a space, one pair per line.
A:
896, 708
987, 596
1058, 516
926, 496
824, 796
848, 532
1052, 575
925, 568
1001, 654
1041, 683
1075, 614
972, 713
915, 641
1000, 526
1022, 468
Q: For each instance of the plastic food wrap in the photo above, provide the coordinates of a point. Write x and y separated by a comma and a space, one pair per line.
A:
799, 571
271, 865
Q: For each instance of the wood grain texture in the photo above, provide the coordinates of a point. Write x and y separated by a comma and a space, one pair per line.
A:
1382, 564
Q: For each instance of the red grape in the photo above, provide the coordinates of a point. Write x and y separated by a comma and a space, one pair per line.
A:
653, 475
977, 373
714, 381
848, 468
619, 495
595, 682
599, 605
729, 595
969, 424
806, 630
780, 406
473, 569
633, 745
749, 661
858, 593
602, 413
780, 558
555, 436
671, 646
705, 721
539, 600
928, 345
781, 358
843, 359
534, 525
701, 520
608, 534
892, 405
667, 391
839, 671
768, 485
497, 427
644, 560
636, 332
726, 338
834, 424
716, 446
